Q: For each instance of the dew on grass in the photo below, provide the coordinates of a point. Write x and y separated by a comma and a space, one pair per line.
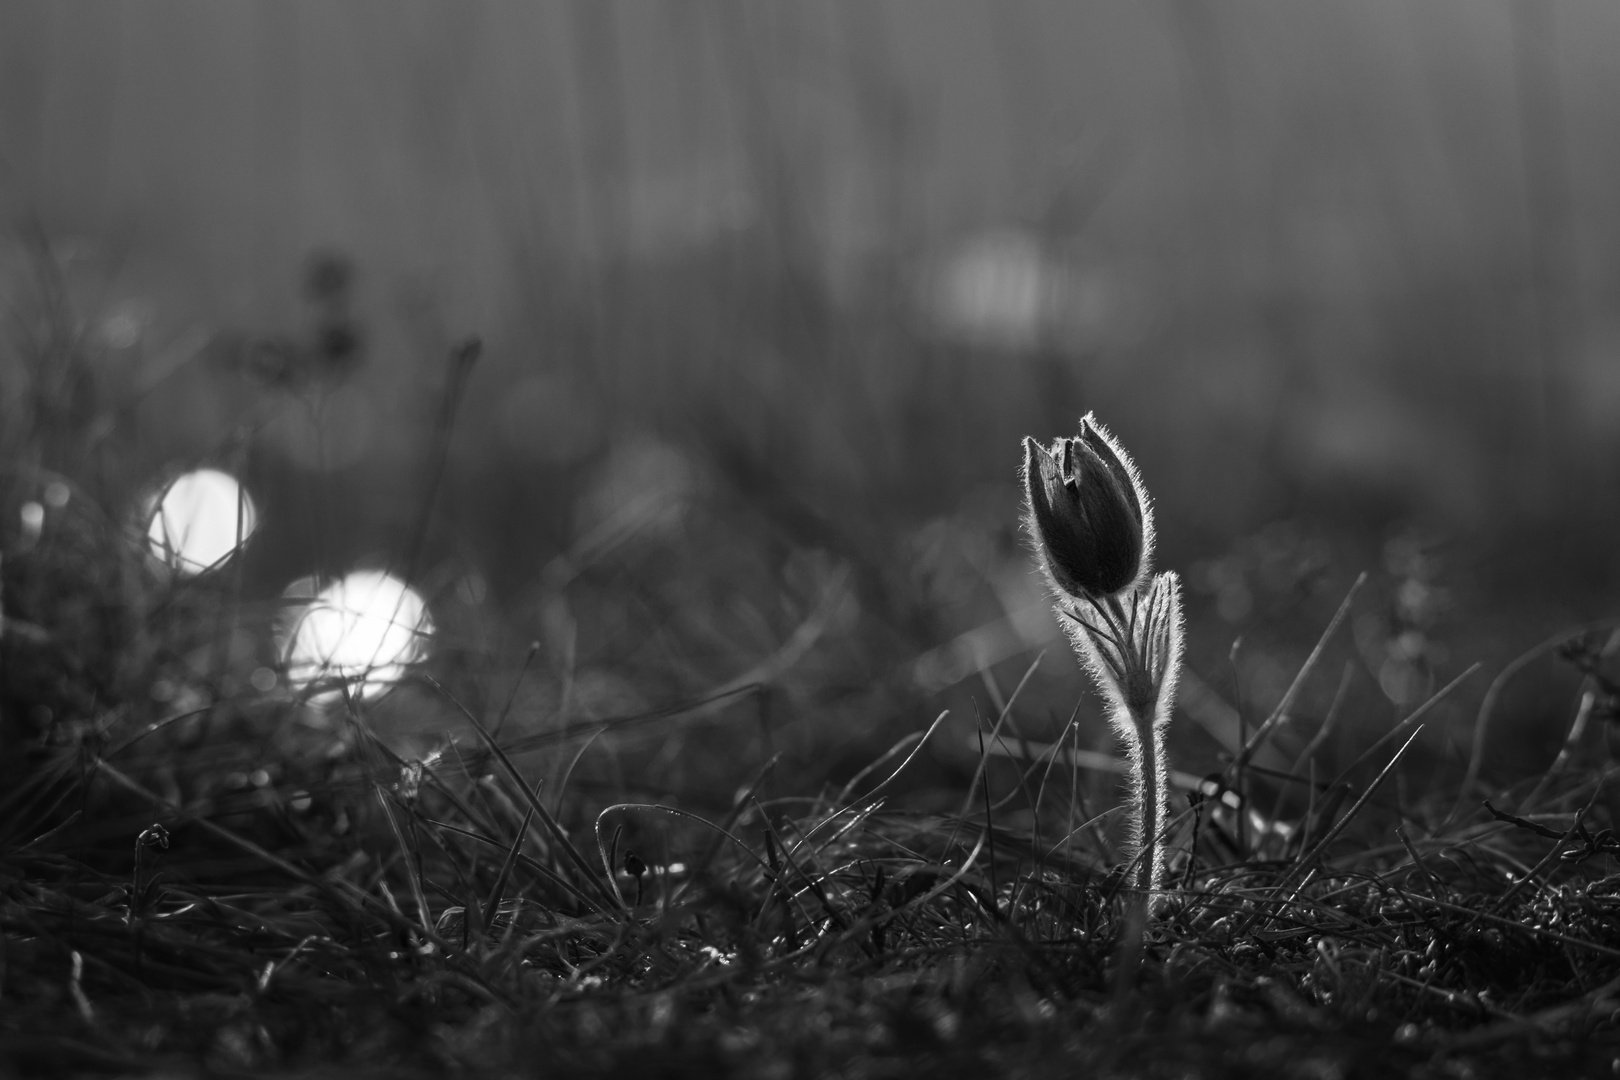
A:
199, 520
363, 630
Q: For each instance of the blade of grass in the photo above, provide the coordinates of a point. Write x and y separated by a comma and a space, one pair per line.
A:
355, 897
1310, 857
1278, 714
1552, 853
609, 891
540, 870
1321, 736
506, 865
921, 740
1493, 694
738, 805
461, 362
413, 869
978, 772
1577, 728
1416, 715
517, 684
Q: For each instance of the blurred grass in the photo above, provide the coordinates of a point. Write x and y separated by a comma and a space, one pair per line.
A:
769, 295
751, 259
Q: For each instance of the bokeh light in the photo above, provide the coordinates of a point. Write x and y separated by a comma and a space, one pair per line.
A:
646, 486
32, 516
363, 630
200, 520
998, 288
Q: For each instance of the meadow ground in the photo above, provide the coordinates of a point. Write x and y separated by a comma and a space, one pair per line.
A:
282, 904
506, 863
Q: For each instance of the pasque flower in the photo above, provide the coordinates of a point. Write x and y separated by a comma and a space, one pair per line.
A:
1093, 528
1088, 512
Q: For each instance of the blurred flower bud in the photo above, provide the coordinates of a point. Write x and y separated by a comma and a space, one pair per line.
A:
339, 348
1088, 513
328, 278
274, 362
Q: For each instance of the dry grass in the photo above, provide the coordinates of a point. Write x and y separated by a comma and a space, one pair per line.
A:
229, 880
275, 906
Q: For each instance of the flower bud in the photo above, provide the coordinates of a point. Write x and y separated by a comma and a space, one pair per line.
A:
1088, 513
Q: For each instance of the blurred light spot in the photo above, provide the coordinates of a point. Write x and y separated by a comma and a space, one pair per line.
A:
1212, 787
1408, 645
1262, 826
263, 680
32, 515
57, 495
1412, 599
300, 802
200, 520
334, 431
188, 698
362, 630
674, 869
124, 324
1401, 682
999, 288
549, 420
644, 486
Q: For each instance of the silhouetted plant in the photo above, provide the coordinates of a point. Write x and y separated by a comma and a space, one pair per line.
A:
1093, 526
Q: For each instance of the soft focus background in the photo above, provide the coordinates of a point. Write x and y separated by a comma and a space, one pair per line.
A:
768, 294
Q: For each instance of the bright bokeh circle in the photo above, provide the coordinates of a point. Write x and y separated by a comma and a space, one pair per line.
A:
362, 630
200, 520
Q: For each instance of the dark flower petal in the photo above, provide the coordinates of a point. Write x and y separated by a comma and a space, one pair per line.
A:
1085, 512
1103, 447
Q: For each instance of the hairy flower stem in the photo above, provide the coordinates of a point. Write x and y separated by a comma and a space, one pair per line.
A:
1149, 808
1132, 647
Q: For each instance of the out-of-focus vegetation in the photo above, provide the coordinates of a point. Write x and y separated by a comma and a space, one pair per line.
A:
791, 280
767, 296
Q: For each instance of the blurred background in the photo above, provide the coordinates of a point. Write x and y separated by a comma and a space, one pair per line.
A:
768, 293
